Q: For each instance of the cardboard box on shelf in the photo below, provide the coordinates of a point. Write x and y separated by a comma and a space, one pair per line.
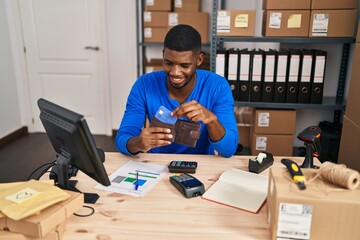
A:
349, 144
323, 211
39, 225
56, 234
244, 115
158, 5
244, 135
286, 23
236, 23
155, 34
155, 19
153, 65
276, 144
332, 23
198, 20
352, 104
286, 4
334, 4
187, 5
273, 121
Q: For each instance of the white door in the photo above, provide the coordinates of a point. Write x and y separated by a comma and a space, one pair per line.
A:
64, 55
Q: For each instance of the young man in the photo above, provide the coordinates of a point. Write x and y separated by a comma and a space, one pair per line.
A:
191, 94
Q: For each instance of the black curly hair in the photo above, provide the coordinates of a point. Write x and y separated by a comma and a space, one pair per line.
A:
182, 38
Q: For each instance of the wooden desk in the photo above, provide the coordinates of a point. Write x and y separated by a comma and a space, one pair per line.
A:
164, 213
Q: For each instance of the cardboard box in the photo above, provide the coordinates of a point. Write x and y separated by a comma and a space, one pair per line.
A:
155, 34
55, 234
323, 211
158, 5
244, 135
40, 225
155, 19
352, 104
286, 23
358, 35
332, 23
349, 144
334, 4
286, 4
278, 145
187, 5
244, 115
272, 121
236, 23
153, 65
198, 20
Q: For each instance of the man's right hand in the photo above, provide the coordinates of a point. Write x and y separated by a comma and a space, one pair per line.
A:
150, 137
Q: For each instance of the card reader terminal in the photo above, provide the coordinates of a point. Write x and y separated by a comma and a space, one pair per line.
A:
188, 185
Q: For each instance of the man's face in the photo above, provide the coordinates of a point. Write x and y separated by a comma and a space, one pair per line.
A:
180, 67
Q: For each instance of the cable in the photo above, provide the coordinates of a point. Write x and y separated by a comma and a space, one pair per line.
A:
86, 215
50, 165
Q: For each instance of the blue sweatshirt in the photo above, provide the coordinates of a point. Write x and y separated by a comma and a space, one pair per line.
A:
150, 92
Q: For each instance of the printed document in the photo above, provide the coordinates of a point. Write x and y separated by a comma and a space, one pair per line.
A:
144, 175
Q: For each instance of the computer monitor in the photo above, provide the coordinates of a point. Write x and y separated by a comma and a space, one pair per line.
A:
74, 145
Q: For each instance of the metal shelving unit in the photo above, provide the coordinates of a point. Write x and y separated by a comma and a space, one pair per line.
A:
336, 103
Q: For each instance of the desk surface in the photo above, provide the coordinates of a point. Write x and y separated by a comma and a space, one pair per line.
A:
164, 213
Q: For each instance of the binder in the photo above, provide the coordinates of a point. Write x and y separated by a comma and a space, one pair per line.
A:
220, 62
317, 85
281, 68
305, 76
269, 76
293, 76
244, 75
233, 71
257, 73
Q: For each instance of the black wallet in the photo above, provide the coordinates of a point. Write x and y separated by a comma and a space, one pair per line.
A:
184, 132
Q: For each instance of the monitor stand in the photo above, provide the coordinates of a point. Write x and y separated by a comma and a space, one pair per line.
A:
61, 173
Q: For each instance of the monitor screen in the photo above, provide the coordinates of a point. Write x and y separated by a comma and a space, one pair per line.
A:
74, 145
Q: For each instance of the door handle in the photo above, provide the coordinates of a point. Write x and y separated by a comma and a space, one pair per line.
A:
92, 48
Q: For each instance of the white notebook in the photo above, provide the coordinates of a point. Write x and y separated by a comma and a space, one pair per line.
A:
239, 189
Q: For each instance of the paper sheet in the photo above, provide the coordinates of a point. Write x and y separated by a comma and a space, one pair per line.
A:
123, 180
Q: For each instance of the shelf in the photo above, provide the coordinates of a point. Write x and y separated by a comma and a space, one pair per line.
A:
161, 44
285, 39
329, 103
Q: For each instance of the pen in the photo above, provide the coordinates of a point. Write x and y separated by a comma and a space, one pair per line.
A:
137, 180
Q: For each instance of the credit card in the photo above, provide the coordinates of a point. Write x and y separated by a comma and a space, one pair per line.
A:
163, 114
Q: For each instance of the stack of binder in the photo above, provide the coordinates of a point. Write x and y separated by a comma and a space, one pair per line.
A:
281, 76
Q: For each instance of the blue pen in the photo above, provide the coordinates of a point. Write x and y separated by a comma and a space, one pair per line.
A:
137, 181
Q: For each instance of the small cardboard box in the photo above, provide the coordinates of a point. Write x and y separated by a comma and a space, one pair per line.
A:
158, 5
187, 5
322, 211
153, 65
236, 23
55, 234
155, 34
276, 144
352, 104
198, 20
155, 19
41, 224
334, 4
286, 4
270, 121
244, 135
349, 144
332, 23
286, 23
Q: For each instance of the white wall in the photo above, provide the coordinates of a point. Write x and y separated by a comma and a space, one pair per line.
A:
10, 119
